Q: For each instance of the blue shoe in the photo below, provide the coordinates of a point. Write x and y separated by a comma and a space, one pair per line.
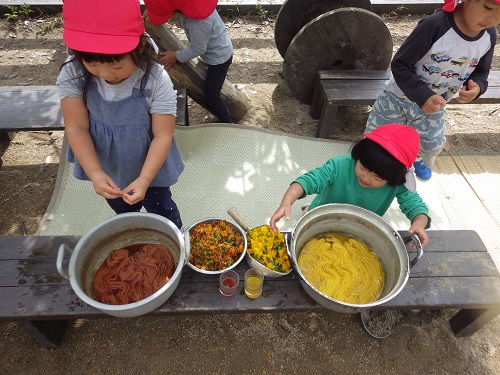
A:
422, 172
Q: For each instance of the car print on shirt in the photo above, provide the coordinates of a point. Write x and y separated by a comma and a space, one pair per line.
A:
464, 78
450, 74
460, 61
423, 78
473, 63
441, 85
439, 59
431, 69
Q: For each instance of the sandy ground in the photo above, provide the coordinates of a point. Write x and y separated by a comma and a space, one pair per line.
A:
31, 53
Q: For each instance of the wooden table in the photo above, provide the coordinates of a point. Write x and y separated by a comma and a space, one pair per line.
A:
455, 272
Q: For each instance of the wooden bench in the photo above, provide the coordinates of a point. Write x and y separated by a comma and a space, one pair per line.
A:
336, 88
35, 108
455, 272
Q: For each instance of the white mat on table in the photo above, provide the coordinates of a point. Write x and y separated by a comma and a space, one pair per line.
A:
226, 166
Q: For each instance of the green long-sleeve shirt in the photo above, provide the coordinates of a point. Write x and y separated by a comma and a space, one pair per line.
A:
336, 182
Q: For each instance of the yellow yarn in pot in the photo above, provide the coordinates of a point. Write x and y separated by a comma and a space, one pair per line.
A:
342, 268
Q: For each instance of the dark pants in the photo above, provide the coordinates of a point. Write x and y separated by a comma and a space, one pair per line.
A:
216, 74
158, 200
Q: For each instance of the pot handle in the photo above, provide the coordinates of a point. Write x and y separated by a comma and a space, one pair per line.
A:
288, 243
187, 246
60, 258
416, 241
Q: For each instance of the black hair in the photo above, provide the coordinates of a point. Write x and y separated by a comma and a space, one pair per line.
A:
141, 56
378, 160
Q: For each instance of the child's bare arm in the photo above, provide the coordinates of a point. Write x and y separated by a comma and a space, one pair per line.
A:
294, 192
76, 124
163, 133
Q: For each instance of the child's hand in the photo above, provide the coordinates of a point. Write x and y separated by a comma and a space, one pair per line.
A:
434, 104
421, 234
418, 227
280, 212
136, 191
104, 185
469, 92
167, 58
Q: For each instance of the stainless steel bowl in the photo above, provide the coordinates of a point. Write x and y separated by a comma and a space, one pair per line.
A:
235, 226
253, 263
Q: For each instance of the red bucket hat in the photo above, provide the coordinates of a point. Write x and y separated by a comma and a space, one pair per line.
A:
450, 5
402, 142
160, 11
110, 26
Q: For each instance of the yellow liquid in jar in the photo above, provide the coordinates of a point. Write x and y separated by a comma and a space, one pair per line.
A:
253, 287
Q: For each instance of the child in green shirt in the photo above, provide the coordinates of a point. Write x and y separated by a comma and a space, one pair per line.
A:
379, 169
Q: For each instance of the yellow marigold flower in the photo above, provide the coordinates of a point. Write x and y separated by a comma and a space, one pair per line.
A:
268, 248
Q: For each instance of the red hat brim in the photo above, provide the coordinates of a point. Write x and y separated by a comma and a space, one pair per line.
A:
450, 5
99, 43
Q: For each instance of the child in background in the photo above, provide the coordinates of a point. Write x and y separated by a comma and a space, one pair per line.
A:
208, 40
160, 11
378, 170
119, 108
449, 52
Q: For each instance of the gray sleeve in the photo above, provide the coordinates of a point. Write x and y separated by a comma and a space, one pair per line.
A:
164, 97
67, 81
198, 32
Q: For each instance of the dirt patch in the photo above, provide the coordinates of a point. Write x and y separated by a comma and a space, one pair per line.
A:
31, 53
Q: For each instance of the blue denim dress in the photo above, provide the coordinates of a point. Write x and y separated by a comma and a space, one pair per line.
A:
121, 132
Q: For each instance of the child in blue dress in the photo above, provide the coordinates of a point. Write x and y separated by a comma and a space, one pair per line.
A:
378, 169
119, 108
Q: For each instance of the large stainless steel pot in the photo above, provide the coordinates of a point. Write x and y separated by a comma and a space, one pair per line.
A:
364, 226
111, 234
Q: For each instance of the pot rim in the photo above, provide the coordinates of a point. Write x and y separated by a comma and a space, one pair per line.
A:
121, 308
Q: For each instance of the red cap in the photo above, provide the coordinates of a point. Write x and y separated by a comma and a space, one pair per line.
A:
160, 11
402, 142
450, 5
110, 26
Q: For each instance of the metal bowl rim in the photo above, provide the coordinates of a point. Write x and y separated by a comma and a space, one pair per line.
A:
253, 263
243, 234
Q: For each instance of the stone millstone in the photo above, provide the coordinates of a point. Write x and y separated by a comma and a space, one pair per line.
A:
294, 14
342, 39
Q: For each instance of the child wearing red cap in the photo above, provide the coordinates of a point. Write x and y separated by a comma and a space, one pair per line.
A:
160, 11
378, 170
447, 54
208, 39
119, 108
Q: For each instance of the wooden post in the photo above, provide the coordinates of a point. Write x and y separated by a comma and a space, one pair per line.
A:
192, 74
